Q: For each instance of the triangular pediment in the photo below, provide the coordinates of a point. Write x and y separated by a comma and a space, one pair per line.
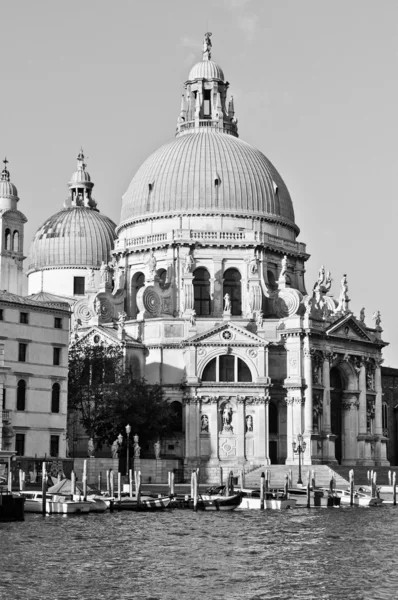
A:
349, 328
226, 334
102, 335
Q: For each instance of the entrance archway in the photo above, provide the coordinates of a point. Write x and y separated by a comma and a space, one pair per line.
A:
336, 391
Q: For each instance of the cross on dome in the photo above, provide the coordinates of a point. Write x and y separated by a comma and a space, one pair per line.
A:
5, 174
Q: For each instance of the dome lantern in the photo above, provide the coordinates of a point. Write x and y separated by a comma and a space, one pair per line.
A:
80, 186
203, 106
8, 191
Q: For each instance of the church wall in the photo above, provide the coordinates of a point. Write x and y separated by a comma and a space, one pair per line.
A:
60, 281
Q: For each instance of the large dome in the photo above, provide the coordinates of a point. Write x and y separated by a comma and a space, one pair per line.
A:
208, 172
74, 237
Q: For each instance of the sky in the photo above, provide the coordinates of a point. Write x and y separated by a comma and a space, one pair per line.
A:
315, 85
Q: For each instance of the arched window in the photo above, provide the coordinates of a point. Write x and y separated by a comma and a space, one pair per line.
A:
271, 280
384, 417
15, 241
273, 418
227, 368
7, 239
176, 407
21, 394
137, 282
232, 286
201, 291
55, 395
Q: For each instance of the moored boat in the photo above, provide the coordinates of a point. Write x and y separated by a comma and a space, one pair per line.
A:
54, 504
273, 500
359, 498
209, 502
147, 503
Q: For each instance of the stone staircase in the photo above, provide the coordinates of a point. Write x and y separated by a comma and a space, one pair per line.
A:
322, 475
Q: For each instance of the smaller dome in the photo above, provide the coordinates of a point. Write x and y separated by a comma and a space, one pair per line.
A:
80, 176
7, 189
206, 69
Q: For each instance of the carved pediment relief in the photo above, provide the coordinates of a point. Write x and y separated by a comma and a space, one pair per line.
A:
349, 328
226, 334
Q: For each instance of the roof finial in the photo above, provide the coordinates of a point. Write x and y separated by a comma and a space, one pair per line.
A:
207, 46
80, 160
5, 174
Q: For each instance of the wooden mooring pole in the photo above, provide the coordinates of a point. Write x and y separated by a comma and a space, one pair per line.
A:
308, 489
43, 488
394, 488
351, 476
262, 491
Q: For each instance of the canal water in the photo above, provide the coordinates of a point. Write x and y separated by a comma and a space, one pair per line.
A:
320, 554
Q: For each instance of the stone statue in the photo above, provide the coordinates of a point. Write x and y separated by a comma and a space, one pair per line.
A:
204, 423
192, 318
253, 265
137, 447
157, 449
260, 319
377, 318
308, 307
121, 321
320, 280
103, 272
227, 417
152, 263
97, 306
76, 326
284, 267
343, 298
249, 423
207, 46
328, 282
90, 448
115, 449
362, 315
90, 275
67, 450
227, 303
189, 262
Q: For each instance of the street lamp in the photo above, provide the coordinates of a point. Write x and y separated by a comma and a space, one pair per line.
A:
128, 430
299, 448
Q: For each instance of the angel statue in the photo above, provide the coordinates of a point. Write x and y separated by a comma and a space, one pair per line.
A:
377, 318
227, 303
207, 46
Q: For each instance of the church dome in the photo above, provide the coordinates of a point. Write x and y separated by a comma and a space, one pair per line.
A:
206, 69
207, 170
74, 237
78, 235
207, 173
7, 189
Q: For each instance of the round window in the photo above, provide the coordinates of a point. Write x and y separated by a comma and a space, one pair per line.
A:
227, 335
96, 339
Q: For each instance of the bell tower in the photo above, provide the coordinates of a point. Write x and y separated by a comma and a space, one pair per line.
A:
12, 223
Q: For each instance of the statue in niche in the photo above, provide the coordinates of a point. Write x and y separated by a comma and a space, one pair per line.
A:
192, 318
249, 423
316, 412
284, 267
156, 447
260, 319
104, 271
362, 315
227, 303
90, 280
189, 263
137, 447
227, 417
204, 424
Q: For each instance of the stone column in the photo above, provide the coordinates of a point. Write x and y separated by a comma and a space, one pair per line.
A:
349, 405
217, 296
188, 302
294, 421
362, 398
308, 412
212, 407
326, 425
240, 429
266, 428
192, 428
378, 404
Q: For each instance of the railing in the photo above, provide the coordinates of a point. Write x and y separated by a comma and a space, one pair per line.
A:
5, 415
229, 128
195, 235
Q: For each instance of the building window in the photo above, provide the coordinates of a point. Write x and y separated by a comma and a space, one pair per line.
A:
56, 356
201, 292
58, 323
384, 417
15, 241
176, 407
273, 418
232, 286
55, 395
7, 239
4, 398
24, 318
1, 314
54, 445
206, 103
21, 394
227, 368
20, 444
78, 286
22, 351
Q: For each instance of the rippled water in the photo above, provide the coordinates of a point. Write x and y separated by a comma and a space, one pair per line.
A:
348, 553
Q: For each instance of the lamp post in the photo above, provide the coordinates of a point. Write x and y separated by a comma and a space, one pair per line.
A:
299, 448
128, 430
